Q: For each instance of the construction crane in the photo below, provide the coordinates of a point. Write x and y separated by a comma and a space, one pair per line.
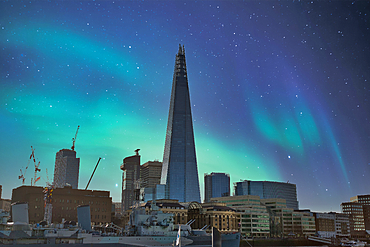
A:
93, 173
74, 139
37, 169
23, 173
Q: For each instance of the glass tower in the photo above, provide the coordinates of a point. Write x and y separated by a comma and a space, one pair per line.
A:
268, 190
216, 185
179, 170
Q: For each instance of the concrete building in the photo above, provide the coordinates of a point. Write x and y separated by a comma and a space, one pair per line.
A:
325, 225
365, 201
213, 214
216, 185
130, 180
150, 174
342, 225
150, 177
180, 170
254, 218
4, 203
67, 168
285, 222
64, 203
269, 189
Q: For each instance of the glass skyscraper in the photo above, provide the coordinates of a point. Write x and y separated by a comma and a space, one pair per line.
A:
216, 185
268, 190
179, 170
67, 168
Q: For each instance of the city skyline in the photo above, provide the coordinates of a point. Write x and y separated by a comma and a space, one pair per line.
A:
279, 90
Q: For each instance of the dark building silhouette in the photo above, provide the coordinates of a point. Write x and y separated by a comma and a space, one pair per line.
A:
67, 168
130, 180
179, 170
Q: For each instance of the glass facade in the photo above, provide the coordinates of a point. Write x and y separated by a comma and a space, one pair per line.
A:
268, 189
179, 170
216, 185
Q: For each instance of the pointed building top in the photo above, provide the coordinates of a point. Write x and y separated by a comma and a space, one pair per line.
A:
181, 50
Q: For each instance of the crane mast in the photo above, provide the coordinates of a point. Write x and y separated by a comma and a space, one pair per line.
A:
74, 139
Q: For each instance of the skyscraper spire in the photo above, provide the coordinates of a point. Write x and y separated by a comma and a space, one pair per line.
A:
180, 170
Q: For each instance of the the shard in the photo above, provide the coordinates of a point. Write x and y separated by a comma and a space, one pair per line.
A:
179, 170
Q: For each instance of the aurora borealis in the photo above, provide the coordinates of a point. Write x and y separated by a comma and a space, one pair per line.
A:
279, 89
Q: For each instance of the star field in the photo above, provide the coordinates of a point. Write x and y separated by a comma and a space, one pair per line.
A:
279, 89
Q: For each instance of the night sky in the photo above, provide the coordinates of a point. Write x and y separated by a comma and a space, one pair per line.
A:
279, 90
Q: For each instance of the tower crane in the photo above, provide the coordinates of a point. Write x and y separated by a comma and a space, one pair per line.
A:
23, 173
74, 139
37, 169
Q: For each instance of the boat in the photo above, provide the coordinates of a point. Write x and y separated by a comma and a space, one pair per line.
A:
352, 243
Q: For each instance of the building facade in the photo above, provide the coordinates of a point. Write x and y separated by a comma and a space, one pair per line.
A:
325, 225
216, 185
180, 213
269, 189
4, 203
213, 214
150, 174
365, 201
285, 222
180, 170
64, 203
130, 180
254, 218
67, 168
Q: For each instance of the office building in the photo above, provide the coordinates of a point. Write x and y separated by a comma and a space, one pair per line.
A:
268, 189
130, 180
179, 170
285, 222
254, 217
365, 201
150, 174
216, 185
64, 203
67, 168
358, 210
325, 225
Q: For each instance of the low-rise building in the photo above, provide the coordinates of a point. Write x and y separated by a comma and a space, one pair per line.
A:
213, 214
285, 222
325, 225
64, 203
254, 217
179, 211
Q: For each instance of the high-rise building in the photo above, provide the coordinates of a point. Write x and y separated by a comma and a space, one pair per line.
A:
216, 185
150, 174
150, 177
268, 189
179, 170
130, 180
67, 168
